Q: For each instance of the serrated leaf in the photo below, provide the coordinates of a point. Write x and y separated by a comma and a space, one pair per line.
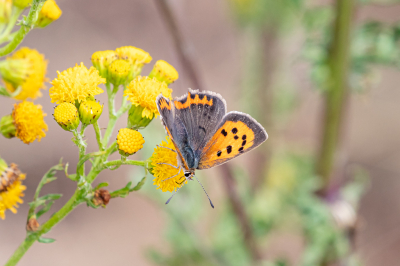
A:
139, 185
46, 240
49, 197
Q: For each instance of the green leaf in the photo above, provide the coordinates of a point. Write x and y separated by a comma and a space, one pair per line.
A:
46, 240
123, 192
139, 185
103, 184
49, 197
46, 208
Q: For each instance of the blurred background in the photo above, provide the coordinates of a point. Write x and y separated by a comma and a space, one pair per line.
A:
323, 189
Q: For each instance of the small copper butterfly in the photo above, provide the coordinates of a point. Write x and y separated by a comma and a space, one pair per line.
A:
203, 134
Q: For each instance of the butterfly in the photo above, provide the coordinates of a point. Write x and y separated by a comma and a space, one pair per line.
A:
203, 134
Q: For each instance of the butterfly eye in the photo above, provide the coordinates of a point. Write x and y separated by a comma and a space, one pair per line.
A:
187, 174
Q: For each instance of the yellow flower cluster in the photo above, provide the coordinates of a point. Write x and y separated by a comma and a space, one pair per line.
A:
29, 122
134, 55
76, 84
66, 115
129, 141
164, 72
31, 68
49, 12
143, 91
167, 178
11, 188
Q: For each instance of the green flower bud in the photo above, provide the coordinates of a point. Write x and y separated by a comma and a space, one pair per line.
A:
120, 72
49, 13
102, 59
22, 3
66, 115
135, 119
163, 71
7, 126
15, 71
90, 111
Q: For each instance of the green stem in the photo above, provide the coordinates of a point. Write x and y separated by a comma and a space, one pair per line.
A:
26, 25
46, 227
125, 162
335, 97
16, 12
98, 135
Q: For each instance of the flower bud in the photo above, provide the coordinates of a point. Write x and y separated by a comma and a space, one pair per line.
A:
129, 141
135, 118
66, 115
101, 197
120, 72
22, 4
101, 61
32, 225
49, 12
136, 56
163, 71
5, 10
15, 71
90, 111
7, 126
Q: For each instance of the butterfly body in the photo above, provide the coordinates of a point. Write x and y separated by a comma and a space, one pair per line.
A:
203, 134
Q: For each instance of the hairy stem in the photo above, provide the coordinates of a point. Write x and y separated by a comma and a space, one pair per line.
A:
26, 25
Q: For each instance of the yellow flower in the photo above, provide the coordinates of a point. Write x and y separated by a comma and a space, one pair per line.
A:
163, 71
102, 59
134, 55
29, 122
49, 12
25, 68
129, 141
120, 72
66, 115
163, 172
143, 91
11, 189
76, 84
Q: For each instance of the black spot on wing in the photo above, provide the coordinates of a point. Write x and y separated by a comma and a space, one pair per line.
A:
241, 149
234, 130
229, 149
243, 137
235, 137
219, 153
223, 132
202, 128
244, 142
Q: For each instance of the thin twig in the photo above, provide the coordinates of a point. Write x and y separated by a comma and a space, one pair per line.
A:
182, 48
238, 209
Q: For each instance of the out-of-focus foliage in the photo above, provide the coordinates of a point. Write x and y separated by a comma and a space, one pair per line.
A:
373, 43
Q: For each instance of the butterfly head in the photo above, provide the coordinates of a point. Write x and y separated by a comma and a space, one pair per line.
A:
189, 174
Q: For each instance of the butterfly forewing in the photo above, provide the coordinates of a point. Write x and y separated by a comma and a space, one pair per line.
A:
236, 134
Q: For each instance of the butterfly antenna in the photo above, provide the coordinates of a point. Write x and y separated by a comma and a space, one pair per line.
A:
212, 205
172, 196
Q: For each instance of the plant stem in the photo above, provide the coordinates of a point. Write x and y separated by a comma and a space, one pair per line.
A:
126, 162
98, 135
46, 227
16, 12
26, 25
336, 95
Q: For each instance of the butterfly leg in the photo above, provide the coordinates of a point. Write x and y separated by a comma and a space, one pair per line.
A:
173, 175
176, 167
166, 148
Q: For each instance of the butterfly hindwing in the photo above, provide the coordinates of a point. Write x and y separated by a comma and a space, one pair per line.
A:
237, 133
200, 113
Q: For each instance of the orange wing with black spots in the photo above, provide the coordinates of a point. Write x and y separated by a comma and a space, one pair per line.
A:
236, 134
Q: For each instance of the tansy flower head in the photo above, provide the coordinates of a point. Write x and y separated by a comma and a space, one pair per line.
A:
163, 71
11, 189
120, 72
143, 91
129, 141
134, 55
49, 12
66, 115
90, 111
29, 122
25, 68
167, 178
76, 84
102, 59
